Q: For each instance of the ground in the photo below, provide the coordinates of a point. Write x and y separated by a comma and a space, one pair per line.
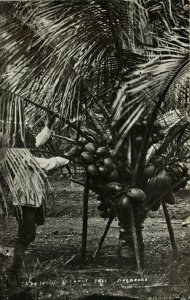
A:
54, 269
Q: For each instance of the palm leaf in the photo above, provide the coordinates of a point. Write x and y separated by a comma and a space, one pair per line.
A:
174, 145
16, 166
63, 53
78, 65
62, 56
163, 54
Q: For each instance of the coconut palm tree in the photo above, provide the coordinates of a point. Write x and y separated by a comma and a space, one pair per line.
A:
81, 51
125, 61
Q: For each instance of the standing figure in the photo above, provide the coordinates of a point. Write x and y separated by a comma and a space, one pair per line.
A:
29, 211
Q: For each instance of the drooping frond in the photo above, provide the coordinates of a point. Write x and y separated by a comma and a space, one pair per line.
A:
12, 118
174, 146
67, 56
142, 90
52, 47
22, 175
63, 55
163, 72
143, 86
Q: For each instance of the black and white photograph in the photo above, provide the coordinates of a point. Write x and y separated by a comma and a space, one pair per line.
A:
94, 150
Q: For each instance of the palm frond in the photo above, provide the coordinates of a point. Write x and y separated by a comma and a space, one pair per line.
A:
66, 56
62, 56
66, 49
143, 88
174, 145
18, 167
12, 118
166, 49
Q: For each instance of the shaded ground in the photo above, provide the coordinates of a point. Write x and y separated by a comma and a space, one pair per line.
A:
53, 264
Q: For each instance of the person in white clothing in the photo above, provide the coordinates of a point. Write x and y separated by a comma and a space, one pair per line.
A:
30, 213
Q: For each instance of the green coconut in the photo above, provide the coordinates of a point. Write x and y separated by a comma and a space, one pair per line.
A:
93, 170
90, 147
102, 151
137, 195
88, 158
103, 171
149, 171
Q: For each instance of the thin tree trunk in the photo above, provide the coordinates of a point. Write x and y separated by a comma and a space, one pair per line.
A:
85, 218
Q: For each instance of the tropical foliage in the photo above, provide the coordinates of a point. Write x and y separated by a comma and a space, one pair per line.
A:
118, 61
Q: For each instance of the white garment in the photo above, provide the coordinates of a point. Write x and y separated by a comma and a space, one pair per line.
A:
48, 164
45, 164
43, 136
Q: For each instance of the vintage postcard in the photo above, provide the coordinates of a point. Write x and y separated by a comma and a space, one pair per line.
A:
94, 150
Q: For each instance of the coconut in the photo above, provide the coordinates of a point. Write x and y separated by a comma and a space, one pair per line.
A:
103, 171
137, 195
102, 151
83, 141
125, 203
73, 151
164, 179
149, 171
92, 170
109, 188
108, 162
113, 176
161, 182
157, 160
90, 147
88, 157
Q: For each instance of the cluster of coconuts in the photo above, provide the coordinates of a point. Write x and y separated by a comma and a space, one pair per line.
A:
133, 198
156, 136
122, 204
99, 164
160, 178
104, 173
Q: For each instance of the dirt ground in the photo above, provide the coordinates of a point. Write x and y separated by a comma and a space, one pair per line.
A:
54, 269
